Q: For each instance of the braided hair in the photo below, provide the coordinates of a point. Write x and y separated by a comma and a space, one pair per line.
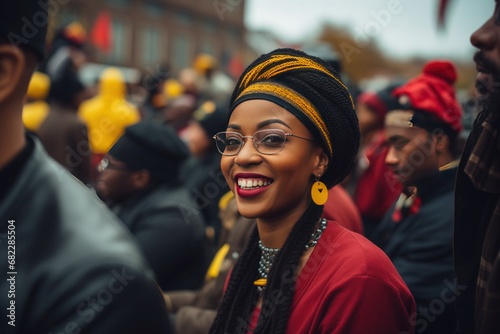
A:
311, 90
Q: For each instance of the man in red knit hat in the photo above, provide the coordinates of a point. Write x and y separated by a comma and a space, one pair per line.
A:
477, 199
417, 231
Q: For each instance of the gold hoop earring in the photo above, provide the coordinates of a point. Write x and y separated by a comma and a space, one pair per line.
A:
319, 192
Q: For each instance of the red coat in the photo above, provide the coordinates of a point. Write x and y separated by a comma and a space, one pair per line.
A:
350, 286
341, 208
377, 187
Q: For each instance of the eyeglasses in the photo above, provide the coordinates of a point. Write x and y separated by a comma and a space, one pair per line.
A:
105, 164
269, 141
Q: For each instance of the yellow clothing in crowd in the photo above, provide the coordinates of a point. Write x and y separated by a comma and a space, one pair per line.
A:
35, 112
108, 113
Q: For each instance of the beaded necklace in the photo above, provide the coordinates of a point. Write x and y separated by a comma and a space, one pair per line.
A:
269, 254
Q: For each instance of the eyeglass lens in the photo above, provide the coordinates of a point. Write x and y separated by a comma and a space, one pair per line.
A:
265, 141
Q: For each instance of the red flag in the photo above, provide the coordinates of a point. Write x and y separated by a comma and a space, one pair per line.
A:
102, 31
236, 67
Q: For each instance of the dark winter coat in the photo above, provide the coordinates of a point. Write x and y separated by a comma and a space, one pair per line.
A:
420, 246
171, 233
76, 267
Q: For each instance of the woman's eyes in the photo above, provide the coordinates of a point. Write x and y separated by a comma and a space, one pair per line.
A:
233, 141
272, 139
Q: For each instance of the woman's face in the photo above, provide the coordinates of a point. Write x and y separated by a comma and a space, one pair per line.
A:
282, 180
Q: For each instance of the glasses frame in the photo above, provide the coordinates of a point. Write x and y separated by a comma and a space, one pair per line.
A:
255, 143
106, 164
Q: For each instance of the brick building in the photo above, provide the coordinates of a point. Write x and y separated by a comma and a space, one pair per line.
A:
147, 33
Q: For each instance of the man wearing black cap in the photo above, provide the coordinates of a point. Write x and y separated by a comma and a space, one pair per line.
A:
417, 231
477, 199
70, 266
139, 181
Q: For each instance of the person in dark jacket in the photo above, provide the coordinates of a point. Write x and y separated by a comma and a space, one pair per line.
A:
201, 172
477, 199
417, 232
63, 134
68, 263
193, 312
139, 181
371, 171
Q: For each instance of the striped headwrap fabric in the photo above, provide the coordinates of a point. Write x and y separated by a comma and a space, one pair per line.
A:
313, 92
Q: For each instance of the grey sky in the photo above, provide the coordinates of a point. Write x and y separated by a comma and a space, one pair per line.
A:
402, 28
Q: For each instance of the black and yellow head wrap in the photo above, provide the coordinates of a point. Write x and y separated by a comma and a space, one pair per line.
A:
312, 91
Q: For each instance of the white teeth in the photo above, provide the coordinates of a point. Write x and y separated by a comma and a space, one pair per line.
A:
252, 183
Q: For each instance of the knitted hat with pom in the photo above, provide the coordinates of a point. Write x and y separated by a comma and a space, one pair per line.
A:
431, 99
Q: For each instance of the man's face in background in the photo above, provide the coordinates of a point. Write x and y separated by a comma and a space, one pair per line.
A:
487, 40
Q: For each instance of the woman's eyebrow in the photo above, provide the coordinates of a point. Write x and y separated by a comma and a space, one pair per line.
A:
234, 127
272, 121
261, 124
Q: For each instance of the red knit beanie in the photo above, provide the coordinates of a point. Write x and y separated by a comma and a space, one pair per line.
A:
433, 92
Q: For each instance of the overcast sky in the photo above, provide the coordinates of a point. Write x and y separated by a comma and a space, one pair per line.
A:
408, 28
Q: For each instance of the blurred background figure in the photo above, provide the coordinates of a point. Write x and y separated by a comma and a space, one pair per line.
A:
417, 231
139, 180
107, 114
193, 311
201, 172
63, 133
172, 89
180, 108
36, 107
156, 98
215, 84
371, 172
67, 46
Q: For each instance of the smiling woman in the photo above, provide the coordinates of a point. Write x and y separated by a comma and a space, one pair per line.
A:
292, 133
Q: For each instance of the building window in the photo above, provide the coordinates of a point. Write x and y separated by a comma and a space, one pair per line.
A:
119, 3
183, 17
154, 9
234, 33
208, 46
120, 45
182, 56
209, 26
150, 46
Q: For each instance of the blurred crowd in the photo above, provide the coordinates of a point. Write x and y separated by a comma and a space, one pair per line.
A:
153, 162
